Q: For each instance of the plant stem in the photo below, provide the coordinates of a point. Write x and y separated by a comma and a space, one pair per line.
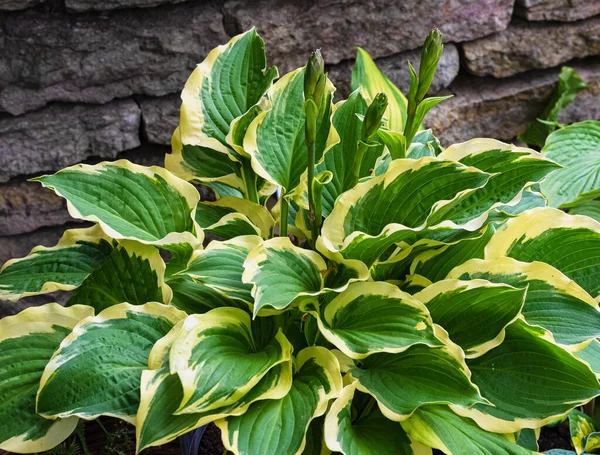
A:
283, 218
249, 178
311, 201
361, 149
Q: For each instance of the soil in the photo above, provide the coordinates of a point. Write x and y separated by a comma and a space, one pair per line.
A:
555, 438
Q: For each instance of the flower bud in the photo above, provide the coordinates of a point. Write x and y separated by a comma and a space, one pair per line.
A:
430, 57
372, 120
314, 78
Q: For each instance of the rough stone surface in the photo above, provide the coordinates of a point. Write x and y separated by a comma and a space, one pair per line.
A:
518, 48
485, 107
395, 67
12, 5
292, 29
160, 117
557, 10
104, 5
61, 135
26, 206
88, 58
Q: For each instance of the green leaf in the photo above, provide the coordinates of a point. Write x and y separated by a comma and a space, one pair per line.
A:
230, 81
379, 212
373, 317
162, 392
219, 361
528, 438
132, 273
591, 209
275, 139
284, 422
513, 169
420, 375
570, 243
230, 217
193, 297
147, 204
220, 267
370, 434
372, 81
553, 301
340, 157
474, 313
529, 381
436, 264
105, 356
569, 85
281, 273
424, 144
591, 355
577, 148
27, 342
440, 428
62, 267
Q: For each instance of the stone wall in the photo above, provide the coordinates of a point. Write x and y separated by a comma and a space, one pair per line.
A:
87, 80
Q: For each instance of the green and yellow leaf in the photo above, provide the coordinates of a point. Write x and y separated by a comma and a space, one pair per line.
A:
221, 264
372, 317
529, 381
418, 376
366, 434
512, 170
275, 138
129, 201
230, 81
442, 429
372, 81
380, 212
553, 301
132, 273
229, 217
219, 361
570, 243
317, 380
27, 342
105, 356
281, 273
475, 313
62, 267
162, 392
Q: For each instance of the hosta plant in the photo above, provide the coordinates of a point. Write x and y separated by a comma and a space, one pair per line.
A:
576, 147
396, 297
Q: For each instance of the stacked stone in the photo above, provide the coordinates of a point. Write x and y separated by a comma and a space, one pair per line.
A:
87, 80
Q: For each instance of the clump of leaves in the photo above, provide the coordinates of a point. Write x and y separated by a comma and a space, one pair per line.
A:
429, 299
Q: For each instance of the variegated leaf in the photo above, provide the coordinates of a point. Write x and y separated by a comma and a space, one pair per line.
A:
62, 267
553, 301
27, 342
440, 428
229, 217
529, 381
128, 201
218, 360
373, 317
368, 433
570, 243
105, 356
316, 381
474, 313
